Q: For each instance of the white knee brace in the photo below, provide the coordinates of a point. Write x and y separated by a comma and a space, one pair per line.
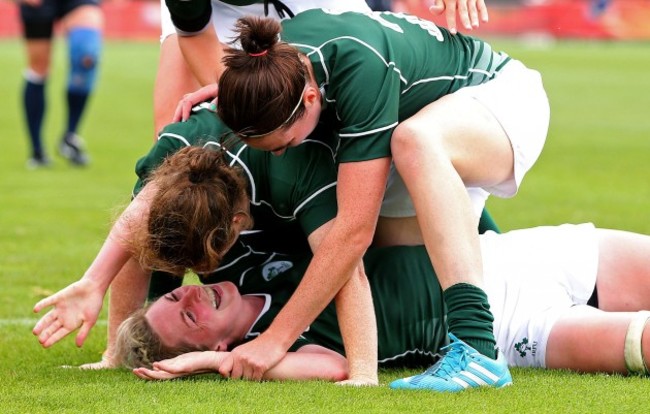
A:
634, 360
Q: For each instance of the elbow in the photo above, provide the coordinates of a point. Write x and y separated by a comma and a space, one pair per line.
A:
358, 237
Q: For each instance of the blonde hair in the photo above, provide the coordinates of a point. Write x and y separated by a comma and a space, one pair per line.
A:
138, 345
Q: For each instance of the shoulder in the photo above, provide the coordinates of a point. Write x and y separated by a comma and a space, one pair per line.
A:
202, 126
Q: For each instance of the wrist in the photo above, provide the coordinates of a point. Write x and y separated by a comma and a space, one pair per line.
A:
95, 282
278, 337
216, 360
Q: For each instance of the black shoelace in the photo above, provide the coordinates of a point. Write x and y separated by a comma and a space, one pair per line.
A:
282, 9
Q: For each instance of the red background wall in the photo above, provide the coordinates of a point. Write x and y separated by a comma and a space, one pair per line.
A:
622, 19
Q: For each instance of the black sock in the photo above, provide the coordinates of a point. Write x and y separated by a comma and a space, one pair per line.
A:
34, 104
76, 105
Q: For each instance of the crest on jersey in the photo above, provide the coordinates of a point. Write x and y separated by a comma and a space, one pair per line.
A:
272, 269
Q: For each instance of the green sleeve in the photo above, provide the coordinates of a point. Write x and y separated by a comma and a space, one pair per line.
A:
165, 146
366, 135
316, 198
487, 222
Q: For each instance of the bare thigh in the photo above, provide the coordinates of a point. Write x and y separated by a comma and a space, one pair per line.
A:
464, 131
623, 281
39, 53
84, 16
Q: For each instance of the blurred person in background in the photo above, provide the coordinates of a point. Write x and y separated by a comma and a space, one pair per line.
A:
82, 22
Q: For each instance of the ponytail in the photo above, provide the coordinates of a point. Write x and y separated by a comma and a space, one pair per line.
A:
263, 81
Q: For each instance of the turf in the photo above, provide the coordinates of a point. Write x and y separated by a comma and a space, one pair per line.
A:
52, 222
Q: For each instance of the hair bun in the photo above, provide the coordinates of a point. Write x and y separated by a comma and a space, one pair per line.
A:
196, 176
257, 35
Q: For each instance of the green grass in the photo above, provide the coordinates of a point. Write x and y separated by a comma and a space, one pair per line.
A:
594, 168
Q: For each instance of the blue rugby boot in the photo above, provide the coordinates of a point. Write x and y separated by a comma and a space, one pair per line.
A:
460, 368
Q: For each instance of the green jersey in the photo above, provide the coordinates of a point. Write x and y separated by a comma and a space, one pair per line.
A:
290, 195
408, 304
378, 69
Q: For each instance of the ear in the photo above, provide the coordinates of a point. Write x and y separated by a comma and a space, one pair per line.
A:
239, 217
311, 96
221, 347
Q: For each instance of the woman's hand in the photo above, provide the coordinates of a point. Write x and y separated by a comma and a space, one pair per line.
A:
251, 360
469, 12
74, 307
190, 100
184, 365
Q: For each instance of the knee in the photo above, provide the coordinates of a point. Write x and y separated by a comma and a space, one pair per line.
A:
85, 49
413, 139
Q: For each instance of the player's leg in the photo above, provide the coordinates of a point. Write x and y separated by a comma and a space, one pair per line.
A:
37, 31
623, 289
397, 223
437, 160
623, 282
405, 231
586, 339
469, 139
83, 24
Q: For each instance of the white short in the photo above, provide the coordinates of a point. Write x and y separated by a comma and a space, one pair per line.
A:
517, 99
532, 277
225, 15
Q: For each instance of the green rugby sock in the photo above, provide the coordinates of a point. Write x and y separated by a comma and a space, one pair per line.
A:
469, 317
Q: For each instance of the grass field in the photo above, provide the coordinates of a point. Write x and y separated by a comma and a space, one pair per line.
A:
595, 167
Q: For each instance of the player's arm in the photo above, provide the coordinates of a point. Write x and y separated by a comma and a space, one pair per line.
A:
470, 12
354, 309
310, 362
360, 190
197, 38
203, 53
78, 305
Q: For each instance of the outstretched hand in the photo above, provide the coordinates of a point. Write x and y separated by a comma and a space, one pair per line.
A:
469, 12
252, 359
74, 307
184, 107
183, 365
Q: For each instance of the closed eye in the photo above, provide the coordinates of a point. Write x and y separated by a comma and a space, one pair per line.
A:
190, 316
171, 297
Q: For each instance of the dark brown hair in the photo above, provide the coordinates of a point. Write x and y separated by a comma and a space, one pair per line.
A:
189, 225
263, 82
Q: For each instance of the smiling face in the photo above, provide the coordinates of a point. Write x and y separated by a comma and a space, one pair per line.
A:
204, 317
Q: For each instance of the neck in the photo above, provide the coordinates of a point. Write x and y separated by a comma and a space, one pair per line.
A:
251, 308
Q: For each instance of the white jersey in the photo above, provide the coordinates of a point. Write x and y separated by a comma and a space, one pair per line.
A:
225, 15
